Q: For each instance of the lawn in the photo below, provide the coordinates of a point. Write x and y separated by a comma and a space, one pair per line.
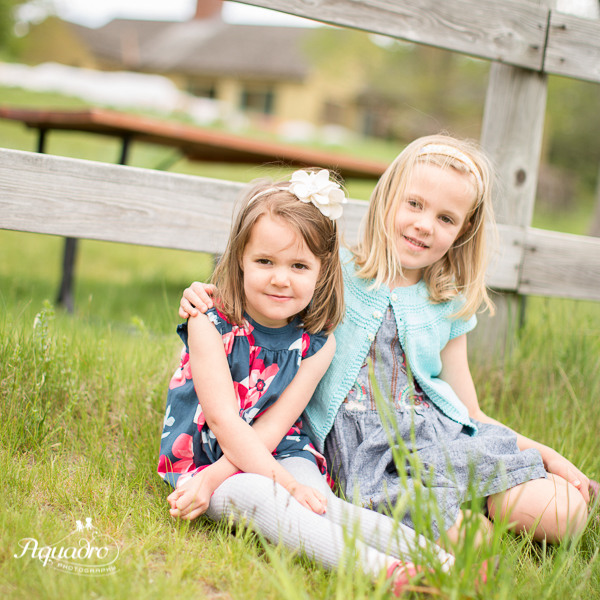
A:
82, 399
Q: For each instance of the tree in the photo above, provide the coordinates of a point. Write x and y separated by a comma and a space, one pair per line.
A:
7, 21
419, 89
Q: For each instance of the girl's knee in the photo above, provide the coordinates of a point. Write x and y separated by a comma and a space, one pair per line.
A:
551, 508
571, 509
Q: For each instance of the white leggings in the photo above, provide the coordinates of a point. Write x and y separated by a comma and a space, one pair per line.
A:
271, 510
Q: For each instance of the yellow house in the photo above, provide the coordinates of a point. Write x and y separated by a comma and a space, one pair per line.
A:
263, 71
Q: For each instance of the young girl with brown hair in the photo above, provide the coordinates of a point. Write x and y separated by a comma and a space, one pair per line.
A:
248, 369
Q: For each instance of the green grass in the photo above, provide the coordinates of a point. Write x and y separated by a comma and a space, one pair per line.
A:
82, 401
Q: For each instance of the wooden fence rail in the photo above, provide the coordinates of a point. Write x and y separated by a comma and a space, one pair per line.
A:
522, 34
77, 198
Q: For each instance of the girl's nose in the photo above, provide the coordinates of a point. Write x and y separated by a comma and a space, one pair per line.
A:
425, 224
280, 278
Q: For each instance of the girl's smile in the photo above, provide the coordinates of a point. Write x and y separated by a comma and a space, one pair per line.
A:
430, 217
280, 273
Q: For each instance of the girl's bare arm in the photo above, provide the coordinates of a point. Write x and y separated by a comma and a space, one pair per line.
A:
246, 447
455, 371
192, 499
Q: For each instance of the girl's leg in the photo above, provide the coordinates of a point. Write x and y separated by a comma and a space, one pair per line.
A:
269, 509
375, 529
553, 508
454, 533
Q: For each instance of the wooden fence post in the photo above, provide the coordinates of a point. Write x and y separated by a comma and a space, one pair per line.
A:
512, 132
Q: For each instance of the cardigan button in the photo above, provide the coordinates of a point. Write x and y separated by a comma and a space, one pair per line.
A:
377, 315
371, 337
394, 297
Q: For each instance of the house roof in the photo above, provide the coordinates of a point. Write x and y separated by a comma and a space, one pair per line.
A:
201, 47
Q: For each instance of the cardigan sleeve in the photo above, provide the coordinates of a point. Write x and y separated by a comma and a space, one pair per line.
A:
460, 327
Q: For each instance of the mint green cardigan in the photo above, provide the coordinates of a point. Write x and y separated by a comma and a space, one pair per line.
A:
423, 329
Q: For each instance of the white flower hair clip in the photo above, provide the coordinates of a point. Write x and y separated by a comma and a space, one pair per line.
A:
316, 188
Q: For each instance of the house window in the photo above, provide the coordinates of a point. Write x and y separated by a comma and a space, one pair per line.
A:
259, 100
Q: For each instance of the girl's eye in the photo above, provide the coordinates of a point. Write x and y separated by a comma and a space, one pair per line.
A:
414, 203
300, 266
446, 219
263, 261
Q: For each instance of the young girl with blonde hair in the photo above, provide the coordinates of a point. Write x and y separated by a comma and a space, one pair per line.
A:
248, 369
412, 287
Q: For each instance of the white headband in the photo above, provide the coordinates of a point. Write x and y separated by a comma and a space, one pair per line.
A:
451, 152
315, 188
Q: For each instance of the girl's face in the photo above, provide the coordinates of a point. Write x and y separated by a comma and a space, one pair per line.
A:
280, 273
430, 217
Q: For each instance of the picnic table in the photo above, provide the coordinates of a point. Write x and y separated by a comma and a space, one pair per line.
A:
195, 143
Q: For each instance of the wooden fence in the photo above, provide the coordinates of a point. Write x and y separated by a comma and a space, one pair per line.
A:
76, 198
69, 197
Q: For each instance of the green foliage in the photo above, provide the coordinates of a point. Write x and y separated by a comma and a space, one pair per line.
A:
418, 90
6, 21
9, 42
572, 125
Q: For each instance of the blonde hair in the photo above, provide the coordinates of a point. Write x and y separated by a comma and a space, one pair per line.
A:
320, 234
462, 269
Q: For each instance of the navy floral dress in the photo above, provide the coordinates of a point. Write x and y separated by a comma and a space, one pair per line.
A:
263, 361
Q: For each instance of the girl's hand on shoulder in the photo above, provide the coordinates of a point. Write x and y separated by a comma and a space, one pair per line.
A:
559, 465
191, 499
197, 298
308, 497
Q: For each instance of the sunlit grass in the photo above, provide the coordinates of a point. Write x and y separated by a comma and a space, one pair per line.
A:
82, 420
82, 402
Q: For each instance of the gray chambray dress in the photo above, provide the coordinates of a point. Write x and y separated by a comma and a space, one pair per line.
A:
360, 457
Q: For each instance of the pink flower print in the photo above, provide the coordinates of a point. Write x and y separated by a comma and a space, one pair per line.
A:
240, 393
294, 430
256, 384
183, 449
183, 373
321, 462
246, 328
162, 466
245, 331
254, 353
228, 342
305, 344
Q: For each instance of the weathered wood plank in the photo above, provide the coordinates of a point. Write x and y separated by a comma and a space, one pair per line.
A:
502, 30
70, 197
506, 31
504, 269
573, 47
84, 199
76, 198
560, 264
512, 132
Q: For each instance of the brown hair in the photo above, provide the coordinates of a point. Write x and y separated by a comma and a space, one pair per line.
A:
462, 268
326, 309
